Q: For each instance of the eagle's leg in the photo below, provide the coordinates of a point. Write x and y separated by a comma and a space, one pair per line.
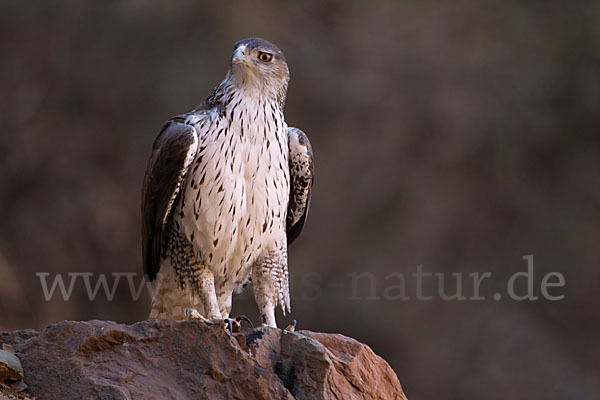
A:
270, 281
204, 286
267, 307
265, 292
217, 309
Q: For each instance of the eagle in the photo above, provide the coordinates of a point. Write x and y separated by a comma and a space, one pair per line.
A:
226, 191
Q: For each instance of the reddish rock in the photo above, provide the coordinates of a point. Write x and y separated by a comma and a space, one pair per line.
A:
189, 360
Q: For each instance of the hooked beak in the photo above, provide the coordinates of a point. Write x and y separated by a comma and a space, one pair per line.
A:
239, 56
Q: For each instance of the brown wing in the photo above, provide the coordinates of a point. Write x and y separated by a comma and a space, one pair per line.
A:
173, 151
301, 181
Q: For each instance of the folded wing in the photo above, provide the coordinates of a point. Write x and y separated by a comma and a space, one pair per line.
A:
301, 180
172, 153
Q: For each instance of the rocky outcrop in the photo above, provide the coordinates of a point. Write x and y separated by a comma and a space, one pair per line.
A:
159, 359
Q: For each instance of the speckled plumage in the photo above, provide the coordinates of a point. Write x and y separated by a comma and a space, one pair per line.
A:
226, 189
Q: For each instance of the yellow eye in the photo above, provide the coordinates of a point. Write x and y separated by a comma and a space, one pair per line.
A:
265, 57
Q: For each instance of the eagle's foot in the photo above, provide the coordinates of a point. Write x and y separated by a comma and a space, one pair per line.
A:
192, 313
231, 324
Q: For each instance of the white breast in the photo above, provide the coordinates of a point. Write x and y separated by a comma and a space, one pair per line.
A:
237, 188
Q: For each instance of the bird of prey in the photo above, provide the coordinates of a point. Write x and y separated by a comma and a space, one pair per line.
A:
226, 190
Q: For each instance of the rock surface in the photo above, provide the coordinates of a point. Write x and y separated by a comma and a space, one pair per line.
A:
159, 359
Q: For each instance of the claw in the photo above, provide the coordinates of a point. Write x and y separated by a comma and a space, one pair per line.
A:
244, 318
291, 327
241, 318
229, 324
237, 323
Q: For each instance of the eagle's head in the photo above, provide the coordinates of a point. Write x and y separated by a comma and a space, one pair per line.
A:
257, 64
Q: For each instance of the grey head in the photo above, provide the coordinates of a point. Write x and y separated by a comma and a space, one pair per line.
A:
257, 64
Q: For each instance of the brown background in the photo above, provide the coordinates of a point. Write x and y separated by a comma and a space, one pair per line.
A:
457, 135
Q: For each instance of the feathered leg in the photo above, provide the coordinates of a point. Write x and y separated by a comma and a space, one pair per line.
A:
204, 285
270, 281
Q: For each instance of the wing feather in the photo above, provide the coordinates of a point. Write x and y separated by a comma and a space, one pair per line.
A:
172, 153
301, 181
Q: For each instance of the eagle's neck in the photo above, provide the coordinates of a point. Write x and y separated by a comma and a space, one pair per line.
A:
247, 114
236, 90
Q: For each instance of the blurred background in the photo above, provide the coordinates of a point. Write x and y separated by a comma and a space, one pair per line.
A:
460, 136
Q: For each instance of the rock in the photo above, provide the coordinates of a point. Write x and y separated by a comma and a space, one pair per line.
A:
11, 371
10, 367
159, 359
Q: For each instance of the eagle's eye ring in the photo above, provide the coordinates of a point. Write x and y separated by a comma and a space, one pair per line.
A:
265, 57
